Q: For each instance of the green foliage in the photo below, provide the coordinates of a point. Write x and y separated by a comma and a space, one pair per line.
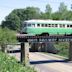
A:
56, 16
27, 13
69, 15
19, 13
62, 7
17, 16
63, 11
6, 36
48, 11
63, 48
43, 16
9, 64
12, 22
32, 13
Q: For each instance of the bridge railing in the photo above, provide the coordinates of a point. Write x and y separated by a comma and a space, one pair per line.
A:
31, 38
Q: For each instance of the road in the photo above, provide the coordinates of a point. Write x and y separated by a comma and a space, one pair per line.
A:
46, 62
49, 63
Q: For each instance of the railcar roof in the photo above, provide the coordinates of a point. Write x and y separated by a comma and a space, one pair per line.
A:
49, 21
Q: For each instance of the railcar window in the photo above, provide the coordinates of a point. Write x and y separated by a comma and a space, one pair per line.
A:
63, 25
29, 25
42, 25
33, 25
70, 25
56, 25
38, 25
60, 25
24, 25
67, 25
52, 25
49, 25
45, 25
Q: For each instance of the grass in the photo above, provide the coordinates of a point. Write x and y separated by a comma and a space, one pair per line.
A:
9, 64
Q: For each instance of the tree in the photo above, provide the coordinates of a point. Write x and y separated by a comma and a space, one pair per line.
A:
12, 22
17, 16
19, 13
48, 11
32, 13
63, 11
27, 13
43, 16
6, 36
69, 15
56, 16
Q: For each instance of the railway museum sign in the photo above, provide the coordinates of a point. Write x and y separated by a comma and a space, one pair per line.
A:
30, 38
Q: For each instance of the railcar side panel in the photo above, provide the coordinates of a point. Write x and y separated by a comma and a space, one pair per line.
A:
49, 30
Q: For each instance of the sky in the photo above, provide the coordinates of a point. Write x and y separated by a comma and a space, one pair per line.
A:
6, 6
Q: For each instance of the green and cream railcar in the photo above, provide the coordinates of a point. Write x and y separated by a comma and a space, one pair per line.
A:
50, 27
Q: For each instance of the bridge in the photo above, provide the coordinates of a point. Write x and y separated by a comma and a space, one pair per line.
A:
25, 39
31, 38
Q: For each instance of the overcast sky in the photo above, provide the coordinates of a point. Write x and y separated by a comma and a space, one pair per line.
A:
6, 6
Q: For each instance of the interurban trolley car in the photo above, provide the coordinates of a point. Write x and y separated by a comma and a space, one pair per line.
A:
47, 27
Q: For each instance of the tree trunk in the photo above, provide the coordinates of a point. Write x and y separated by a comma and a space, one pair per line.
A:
3, 48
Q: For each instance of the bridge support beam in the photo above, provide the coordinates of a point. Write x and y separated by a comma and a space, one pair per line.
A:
70, 51
25, 53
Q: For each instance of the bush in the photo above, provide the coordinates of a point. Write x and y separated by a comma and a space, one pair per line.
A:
6, 37
9, 64
63, 48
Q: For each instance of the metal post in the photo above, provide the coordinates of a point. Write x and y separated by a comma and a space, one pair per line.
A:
70, 51
25, 53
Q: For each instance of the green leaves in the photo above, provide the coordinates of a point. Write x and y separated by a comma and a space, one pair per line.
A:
6, 36
12, 22
63, 48
17, 16
9, 64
